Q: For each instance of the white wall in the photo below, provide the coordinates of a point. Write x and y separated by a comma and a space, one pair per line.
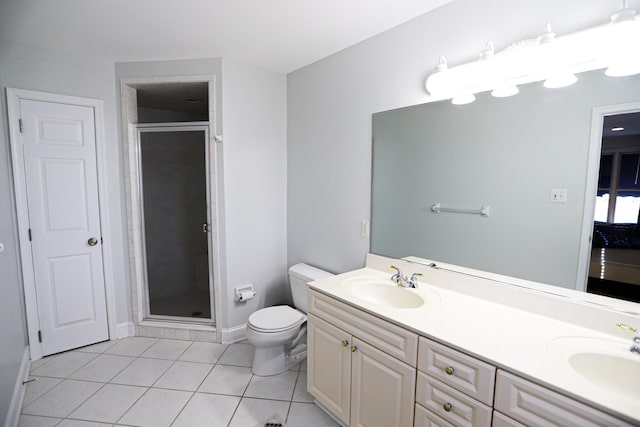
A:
24, 67
255, 180
330, 105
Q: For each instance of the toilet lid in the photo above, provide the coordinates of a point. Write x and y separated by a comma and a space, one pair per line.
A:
276, 319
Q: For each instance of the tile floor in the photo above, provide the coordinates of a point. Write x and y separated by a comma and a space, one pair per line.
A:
160, 382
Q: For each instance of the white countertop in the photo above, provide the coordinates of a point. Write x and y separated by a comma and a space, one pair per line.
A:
515, 339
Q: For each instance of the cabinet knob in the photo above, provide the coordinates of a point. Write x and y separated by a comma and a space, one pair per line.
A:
345, 343
353, 348
449, 370
447, 407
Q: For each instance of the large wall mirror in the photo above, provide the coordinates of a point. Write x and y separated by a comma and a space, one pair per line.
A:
505, 153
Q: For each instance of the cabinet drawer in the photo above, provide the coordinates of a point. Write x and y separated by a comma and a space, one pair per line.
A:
391, 339
426, 418
463, 410
467, 374
537, 406
501, 420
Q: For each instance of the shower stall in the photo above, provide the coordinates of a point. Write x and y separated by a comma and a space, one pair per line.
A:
173, 179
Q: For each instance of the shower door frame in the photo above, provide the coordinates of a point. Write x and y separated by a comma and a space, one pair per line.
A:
174, 127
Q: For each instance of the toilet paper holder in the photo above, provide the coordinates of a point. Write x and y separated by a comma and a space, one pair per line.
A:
244, 293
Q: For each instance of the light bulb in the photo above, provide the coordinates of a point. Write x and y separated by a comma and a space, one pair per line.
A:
463, 99
505, 91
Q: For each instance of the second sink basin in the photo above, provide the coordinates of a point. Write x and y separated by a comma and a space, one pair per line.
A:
606, 363
386, 293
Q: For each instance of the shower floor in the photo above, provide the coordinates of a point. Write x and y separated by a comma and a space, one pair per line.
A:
193, 304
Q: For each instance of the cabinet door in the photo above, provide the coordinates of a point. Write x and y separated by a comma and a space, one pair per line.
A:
382, 388
329, 366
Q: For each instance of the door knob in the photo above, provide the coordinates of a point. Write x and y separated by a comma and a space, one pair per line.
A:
92, 241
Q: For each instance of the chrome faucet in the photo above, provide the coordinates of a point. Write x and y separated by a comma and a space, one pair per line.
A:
404, 281
636, 340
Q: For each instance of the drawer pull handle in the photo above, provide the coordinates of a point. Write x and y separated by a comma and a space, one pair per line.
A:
447, 407
353, 348
345, 343
449, 370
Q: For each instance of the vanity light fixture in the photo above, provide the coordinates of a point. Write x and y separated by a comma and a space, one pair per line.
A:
558, 74
554, 60
624, 62
463, 99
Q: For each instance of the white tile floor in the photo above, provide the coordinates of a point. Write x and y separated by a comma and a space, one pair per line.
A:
159, 382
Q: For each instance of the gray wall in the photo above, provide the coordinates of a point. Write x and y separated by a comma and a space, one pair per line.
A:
13, 335
255, 179
330, 104
25, 67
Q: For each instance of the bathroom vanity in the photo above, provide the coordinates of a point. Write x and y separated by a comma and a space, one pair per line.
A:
465, 350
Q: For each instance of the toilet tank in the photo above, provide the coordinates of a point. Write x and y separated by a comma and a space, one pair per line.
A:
299, 276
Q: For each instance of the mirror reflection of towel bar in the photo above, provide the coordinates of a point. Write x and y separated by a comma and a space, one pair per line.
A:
484, 210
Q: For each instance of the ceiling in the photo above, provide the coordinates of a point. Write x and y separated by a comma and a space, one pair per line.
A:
280, 35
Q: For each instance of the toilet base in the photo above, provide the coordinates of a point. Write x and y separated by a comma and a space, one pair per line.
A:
269, 361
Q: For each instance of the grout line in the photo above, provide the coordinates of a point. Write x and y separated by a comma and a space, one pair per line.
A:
173, 361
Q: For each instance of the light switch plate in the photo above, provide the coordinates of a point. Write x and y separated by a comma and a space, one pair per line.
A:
558, 195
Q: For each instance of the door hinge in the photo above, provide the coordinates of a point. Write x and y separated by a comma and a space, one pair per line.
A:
39, 336
20, 126
30, 235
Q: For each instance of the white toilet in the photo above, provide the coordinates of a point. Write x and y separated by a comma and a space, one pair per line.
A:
279, 333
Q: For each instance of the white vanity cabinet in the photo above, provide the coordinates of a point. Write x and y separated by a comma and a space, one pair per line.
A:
350, 369
370, 372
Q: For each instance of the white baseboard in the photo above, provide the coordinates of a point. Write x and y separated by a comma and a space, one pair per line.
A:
124, 330
234, 334
13, 414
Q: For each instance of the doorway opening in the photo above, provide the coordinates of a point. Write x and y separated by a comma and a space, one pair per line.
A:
171, 155
614, 269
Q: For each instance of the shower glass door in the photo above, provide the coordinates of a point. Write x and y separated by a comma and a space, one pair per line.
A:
174, 187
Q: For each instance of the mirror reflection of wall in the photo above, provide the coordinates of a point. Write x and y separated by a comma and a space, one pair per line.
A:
615, 255
507, 153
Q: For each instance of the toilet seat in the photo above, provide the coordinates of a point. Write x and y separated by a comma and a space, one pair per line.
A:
276, 319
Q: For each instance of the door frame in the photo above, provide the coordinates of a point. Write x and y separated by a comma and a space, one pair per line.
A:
129, 120
14, 96
591, 189
176, 127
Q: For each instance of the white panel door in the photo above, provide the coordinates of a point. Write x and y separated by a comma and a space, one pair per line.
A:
64, 218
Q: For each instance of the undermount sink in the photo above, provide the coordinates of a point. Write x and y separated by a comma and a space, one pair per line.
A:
386, 293
606, 363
